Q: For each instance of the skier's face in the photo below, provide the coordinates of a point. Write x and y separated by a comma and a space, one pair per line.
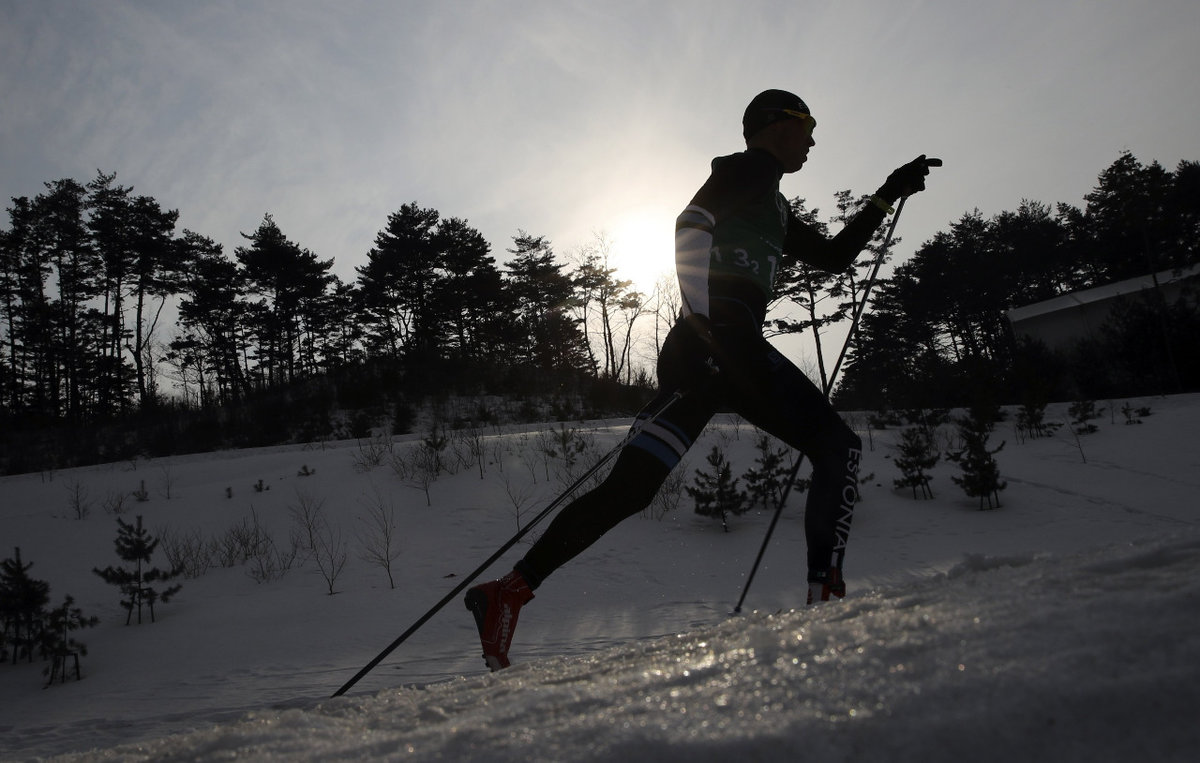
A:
788, 140
796, 138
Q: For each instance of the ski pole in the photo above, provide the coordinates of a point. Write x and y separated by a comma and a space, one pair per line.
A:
633, 431
862, 303
887, 242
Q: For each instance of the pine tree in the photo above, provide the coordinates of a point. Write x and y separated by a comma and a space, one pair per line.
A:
1082, 413
765, 481
467, 293
980, 473
212, 317
398, 283
917, 457
1031, 418
551, 339
716, 493
158, 273
136, 545
22, 600
57, 643
291, 282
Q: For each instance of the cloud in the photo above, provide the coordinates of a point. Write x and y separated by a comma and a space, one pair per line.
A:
558, 117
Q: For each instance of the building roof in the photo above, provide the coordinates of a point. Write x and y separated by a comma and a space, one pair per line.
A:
1100, 293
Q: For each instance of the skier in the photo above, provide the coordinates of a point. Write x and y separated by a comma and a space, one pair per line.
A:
729, 243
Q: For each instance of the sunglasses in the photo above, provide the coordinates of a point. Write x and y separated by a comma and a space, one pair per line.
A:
807, 119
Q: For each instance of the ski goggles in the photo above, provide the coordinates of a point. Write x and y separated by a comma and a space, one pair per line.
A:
809, 123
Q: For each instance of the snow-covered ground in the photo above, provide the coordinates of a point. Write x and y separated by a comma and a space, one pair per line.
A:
1063, 626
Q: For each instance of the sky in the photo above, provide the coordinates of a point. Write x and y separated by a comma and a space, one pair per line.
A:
571, 119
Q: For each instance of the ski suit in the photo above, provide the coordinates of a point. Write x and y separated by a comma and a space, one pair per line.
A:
729, 244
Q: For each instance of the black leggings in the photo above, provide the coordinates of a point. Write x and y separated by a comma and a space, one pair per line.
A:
767, 390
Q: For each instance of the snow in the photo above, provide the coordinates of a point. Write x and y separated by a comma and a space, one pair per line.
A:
1064, 625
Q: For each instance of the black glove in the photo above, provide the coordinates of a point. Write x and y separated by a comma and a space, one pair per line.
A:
907, 180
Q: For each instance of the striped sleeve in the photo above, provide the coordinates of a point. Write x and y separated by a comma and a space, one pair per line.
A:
693, 242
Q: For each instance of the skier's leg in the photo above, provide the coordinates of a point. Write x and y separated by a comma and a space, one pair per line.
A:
640, 469
790, 407
641, 466
496, 605
639, 472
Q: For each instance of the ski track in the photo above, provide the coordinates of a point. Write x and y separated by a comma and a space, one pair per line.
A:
1109, 502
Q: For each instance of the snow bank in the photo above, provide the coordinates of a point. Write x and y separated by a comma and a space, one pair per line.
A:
1086, 657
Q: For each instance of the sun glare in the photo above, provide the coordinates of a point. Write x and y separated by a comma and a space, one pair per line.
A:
643, 247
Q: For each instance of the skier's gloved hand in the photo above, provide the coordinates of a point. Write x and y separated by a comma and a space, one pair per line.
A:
908, 179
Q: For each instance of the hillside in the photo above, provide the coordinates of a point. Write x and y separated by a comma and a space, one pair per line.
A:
1062, 624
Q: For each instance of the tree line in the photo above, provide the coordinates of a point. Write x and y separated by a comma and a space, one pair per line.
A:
87, 270
936, 332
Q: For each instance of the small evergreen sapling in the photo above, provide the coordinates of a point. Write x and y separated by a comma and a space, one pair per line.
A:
1134, 415
1082, 413
917, 455
1031, 420
435, 444
57, 641
22, 603
135, 545
564, 447
766, 479
716, 493
980, 473
26, 626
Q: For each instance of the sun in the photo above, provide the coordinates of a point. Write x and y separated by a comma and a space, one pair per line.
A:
643, 246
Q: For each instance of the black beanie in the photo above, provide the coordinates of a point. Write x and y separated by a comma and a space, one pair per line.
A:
767, 107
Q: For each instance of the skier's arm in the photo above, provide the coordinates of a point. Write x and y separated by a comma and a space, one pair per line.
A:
836, 254
693, 242
832, 254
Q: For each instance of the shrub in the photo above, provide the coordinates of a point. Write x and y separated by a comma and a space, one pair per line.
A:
917, 455
135, 545
716, 492
980, 473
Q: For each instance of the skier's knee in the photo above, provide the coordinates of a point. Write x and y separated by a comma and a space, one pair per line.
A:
636, 495
840, 453
634, 480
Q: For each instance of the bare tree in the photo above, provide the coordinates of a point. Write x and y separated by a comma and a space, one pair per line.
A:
668, 497
377, 533
322, 540
371, 452
667, 305
424, 467
188, 551
610, 303
77, 498
519, 496
473, 442
168, 481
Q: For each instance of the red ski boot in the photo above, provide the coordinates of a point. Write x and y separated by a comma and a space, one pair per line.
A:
495, 606
825, 585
